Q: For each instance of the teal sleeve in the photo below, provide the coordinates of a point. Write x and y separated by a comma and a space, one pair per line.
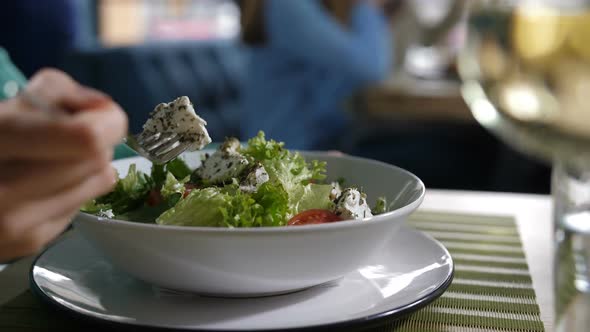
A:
11, 78
123, 151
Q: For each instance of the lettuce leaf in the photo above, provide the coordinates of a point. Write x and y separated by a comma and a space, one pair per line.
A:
93, 207
312, 196
173, 189
200, 208
289, 169
229, 207
275, 202
130, 192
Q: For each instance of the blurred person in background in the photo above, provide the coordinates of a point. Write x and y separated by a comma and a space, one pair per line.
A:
307, 58
50, 164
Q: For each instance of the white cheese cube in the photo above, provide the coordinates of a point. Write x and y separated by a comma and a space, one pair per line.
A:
255, 178
221, 167
179, 117
352, 204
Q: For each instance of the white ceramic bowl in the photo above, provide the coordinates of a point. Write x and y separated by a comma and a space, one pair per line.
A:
258, 261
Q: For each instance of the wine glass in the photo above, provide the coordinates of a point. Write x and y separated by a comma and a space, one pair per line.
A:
526, 77
433, 48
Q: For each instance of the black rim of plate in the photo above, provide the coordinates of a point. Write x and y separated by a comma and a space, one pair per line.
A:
368, 321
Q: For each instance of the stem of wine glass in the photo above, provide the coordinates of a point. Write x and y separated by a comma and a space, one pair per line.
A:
571, 194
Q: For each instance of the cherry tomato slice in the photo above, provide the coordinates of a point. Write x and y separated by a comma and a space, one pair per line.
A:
188, 187
154, 198
312, 217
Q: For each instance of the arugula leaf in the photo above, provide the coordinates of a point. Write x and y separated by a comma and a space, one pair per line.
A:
158, 174
178, 168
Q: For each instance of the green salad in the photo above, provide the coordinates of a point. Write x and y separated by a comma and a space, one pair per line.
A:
259, 184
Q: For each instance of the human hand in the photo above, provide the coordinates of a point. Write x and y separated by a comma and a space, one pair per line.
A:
50, 164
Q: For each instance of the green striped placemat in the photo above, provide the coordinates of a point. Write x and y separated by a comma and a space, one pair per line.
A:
491, 291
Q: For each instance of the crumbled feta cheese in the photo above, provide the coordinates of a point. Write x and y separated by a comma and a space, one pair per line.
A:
224, 164
255, 178
178, 117
352, 204
336, 191
230, 145
106, 214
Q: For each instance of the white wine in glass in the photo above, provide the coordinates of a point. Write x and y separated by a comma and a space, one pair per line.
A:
526, 77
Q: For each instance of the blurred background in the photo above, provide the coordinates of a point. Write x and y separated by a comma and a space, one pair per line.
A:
143, 52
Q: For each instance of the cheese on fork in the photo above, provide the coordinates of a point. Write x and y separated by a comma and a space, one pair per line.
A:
352, 204
179, 117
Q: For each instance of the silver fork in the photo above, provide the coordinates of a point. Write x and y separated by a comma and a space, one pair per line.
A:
158, 147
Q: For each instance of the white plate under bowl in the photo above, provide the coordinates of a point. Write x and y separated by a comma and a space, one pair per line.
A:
73, 276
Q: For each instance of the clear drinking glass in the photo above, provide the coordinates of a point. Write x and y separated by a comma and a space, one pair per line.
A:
571, 190
526, 77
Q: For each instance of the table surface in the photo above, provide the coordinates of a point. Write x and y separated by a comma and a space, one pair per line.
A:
532, 212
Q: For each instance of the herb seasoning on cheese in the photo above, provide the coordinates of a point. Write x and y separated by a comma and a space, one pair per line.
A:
178, 117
